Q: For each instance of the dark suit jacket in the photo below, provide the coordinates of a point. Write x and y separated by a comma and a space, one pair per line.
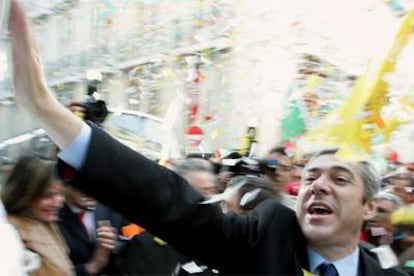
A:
144, 256
266, 242
80, 245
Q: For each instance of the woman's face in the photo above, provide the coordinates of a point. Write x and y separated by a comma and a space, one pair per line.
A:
46, 208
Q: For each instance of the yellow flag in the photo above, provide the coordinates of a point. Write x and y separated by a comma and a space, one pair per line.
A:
353, 125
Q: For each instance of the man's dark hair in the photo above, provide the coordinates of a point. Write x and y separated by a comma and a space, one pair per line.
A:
280, 150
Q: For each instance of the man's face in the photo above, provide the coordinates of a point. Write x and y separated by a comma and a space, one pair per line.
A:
203, 182
404, 188
80, 200
383, 216
282, 174
330, 206
297, 170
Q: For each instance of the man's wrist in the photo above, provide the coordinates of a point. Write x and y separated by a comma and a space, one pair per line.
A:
91, 268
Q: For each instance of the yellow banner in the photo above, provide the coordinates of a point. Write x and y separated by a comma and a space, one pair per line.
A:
353, 126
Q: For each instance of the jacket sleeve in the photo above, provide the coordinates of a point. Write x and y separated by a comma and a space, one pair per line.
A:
131, 184
163, 202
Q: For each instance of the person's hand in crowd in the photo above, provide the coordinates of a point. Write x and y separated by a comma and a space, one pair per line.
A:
106, 242
30, 88
99, 260
29, 84
106, 235
77, 108
223, 178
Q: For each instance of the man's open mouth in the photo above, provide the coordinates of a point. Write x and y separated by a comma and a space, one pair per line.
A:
319, 209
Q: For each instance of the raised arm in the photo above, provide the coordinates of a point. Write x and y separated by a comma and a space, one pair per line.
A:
30, 88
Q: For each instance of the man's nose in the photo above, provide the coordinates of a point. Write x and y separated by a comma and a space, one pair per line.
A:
321, 185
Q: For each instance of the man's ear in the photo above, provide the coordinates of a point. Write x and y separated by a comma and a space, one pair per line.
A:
370, 210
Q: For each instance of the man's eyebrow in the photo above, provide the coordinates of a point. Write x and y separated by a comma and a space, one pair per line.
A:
333, 168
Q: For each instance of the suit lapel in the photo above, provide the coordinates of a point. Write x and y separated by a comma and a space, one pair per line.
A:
73, 222
369, 265
301, 260
100, 213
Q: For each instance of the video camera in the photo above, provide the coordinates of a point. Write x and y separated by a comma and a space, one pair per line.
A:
95, 110
242, 165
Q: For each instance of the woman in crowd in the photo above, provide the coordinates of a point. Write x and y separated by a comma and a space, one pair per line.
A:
33, 196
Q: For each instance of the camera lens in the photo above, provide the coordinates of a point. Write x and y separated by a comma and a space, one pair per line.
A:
95, 111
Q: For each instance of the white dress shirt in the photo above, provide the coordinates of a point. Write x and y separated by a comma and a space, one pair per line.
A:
347, 266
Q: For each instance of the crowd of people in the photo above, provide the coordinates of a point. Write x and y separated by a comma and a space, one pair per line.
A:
101, 208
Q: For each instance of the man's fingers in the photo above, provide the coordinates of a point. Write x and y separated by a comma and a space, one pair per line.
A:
109, 245
107, 240
106, 232
19, 27
106, 235
104, 223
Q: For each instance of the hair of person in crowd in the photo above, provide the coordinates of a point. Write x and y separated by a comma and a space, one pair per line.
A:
193, 164
384, 195
29, 178
200, 174
281, 150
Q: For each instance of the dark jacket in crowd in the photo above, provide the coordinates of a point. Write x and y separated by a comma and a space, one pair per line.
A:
81, 246
147, 255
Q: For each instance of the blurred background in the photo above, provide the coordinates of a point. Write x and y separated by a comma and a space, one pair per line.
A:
190, 76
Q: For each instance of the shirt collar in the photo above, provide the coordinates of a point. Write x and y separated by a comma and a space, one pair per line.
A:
345, 266
75, 209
